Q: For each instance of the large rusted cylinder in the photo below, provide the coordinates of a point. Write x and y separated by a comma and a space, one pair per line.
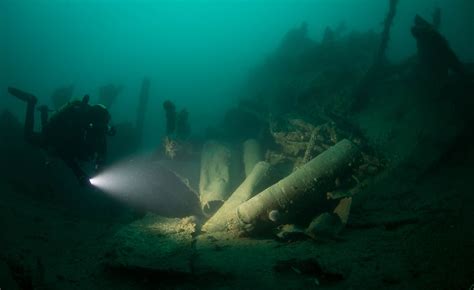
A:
306, 186
252, 154
227, 214
214, 181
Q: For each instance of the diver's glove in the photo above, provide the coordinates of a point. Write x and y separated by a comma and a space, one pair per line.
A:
82, 177
84, 181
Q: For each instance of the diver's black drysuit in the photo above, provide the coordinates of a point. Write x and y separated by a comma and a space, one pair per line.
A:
76, 132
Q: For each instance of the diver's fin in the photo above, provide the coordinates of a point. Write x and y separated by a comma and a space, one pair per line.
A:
22, 95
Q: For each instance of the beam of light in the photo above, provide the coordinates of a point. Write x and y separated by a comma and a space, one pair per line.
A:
123, 179
149, 185
96, 181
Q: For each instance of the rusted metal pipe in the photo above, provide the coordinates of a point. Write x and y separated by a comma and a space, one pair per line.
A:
305, 186
227, 214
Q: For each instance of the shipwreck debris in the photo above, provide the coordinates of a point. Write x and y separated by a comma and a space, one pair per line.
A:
435, 55
170, 112
226, 217
360, 93
309, 184
252, 154
178, 130
214, 183
325, 226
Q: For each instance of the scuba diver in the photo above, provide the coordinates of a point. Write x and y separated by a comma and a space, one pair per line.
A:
76, 133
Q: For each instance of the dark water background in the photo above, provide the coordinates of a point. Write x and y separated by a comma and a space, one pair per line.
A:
197, 53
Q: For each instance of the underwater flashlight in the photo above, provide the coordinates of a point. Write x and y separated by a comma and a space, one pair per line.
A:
115, 180
97, 181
